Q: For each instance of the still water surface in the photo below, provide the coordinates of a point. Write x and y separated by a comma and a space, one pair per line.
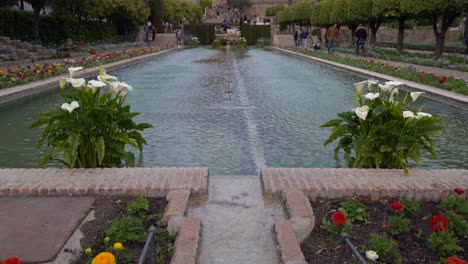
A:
233, 111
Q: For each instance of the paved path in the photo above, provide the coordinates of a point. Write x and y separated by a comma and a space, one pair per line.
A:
151, 182
368, 183
237, 222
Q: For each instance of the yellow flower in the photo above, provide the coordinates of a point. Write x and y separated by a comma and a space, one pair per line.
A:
1, 72
118, 246
106, 239
38, 66
104, 258
88, 251
57, 66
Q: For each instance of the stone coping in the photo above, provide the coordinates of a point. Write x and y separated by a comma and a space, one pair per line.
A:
446, 96
33, 88
373, 184
150, 182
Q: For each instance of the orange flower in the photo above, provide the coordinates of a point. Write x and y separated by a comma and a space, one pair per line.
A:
455, 260
453, 214
38, 66
1, 72
104, 258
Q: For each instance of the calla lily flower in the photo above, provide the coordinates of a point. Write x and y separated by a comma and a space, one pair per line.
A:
62, 83
415, 95
385, 88
393, 83
362, 112
73, 70
76, 82
359, 86
94, 83
70, 107
422, 114
372, 255
394, 91
113, 87
408, 114
370, 83
371, 96
107, 78
125, 86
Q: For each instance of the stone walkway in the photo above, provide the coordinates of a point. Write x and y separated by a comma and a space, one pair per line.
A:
237, 222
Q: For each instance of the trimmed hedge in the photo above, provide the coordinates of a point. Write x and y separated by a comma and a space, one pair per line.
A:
205, 33
17, 24
425, 47
253, 32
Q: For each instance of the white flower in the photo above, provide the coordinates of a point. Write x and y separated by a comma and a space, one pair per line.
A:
371, 96
125, 86
407, 114
415, 95
394, 91
422, 114
96, 84
113, 87
62, 83
362, 112
359, 86
76, 82
73, 70
106, 78
393, 83
370, 83
385, 88
372, 255
70, 107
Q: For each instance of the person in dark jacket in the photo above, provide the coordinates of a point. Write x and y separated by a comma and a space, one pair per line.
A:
360, 38
296, 37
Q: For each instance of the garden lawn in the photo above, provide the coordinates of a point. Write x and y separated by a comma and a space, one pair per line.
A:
319, 247
110, 209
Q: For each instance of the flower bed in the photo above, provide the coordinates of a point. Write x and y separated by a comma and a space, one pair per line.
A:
443, 82
22, 74
390, 231
108, 210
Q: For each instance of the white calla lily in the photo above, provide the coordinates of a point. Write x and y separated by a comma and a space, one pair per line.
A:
393, 83
372, 255
415, 95
70, 107
362, 112
370, 83
125, 86
113, 87
96, 84
62, 83
359, 87
106, 78
371, 96
385, 88
422, 114
408, 114
72, 70
76, 82
392, 94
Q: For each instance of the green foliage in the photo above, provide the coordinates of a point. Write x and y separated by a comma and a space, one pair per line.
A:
339, 13
444, 244
96, 132
176, 10
386, 248
457, 224
411, 206
334, 231
194, 42
273, 10
253, 32
205, 3
205, 33
354, 210
216, 44
241, 43
139, 206
260, 43
382, 137
302, 12
127, 230
398, 225
456, 204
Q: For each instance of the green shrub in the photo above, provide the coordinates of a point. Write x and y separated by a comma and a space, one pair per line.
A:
139, 206
127, 230
457, 204
216, 44
241, 43
411, 206
384, 131
354, 210
194, 42
444, 244
260, 43
398, 225
205, 33
386, 248
253, 32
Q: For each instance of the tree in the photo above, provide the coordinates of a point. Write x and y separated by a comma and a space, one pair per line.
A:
8, 3
205, 3
37, 6
441, 13
157, 13
176, 10
302, 12
358, 13
273, 10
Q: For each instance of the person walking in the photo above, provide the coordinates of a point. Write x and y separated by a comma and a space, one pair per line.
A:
465, 34
305, 35
148, 37
330, 37
296, 37
153, 33
179, 35
360, 37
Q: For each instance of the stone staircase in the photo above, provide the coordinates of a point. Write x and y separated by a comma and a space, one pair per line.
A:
20, 50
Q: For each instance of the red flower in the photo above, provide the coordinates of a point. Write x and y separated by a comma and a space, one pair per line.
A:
397, 206
42, 72
453, 214
338, 218
442, 81
12, 260
459, 191
439, 223
455, 260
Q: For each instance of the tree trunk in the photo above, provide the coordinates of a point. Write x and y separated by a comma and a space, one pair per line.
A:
401, 33
353, 27
37, 7
21, 7
440, 35
374, 26
157, 14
